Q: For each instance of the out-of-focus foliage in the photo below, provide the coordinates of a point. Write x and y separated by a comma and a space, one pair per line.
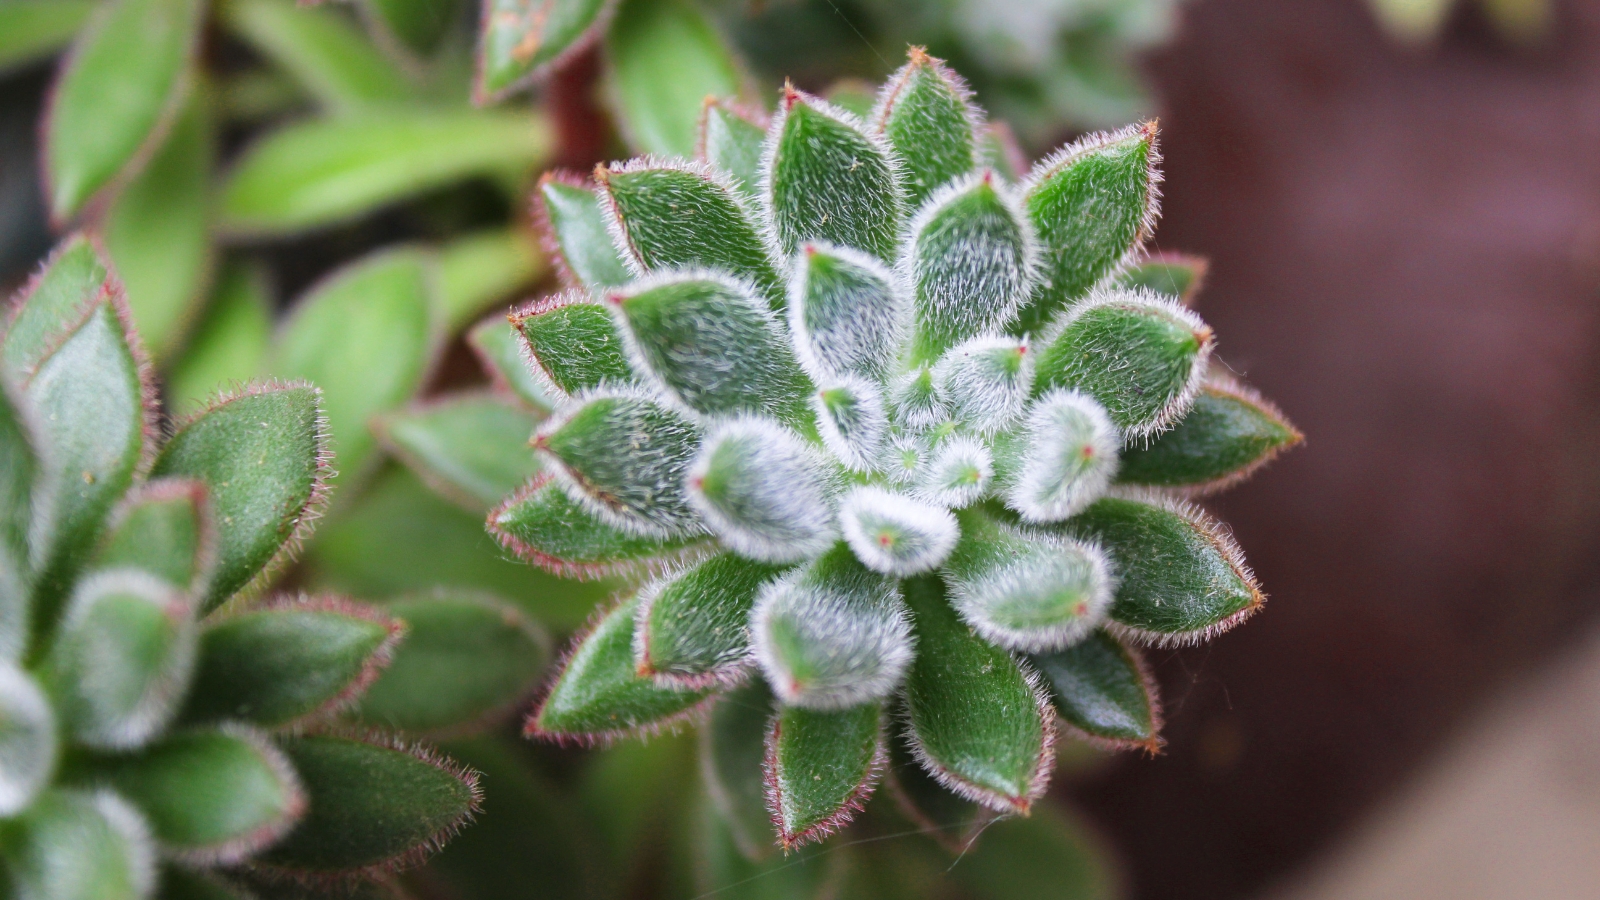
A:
1420, 21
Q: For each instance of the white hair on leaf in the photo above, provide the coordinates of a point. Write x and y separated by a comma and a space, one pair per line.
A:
765, 492
960, 472
850, 322
913, 402
904, 458
1068, 457
985, 381
27, 739
1032, 592
895, 534
852, 422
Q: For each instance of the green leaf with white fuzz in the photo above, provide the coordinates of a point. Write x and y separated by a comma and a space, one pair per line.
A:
372, 804
1227, 434
974, 718
21, 475
958, 473
833, 634
731, 140
229, 343
714, 347
211, 796
574, 343
27, 739
1180, 577
896, 534
767, 494
905, 460
925, 111
1141, 357
624, 458
1172, 274
985, 381
470, 447
1091, 204
693, 627
322, 50
1063, 458
732, 751
576, 234
54, 300
466, 661
1022, 591
541, 524
600, 694
79, 845
33, 29
1102, 690
519, 40
262, 454
500, 350
483, 268
844, 313
122, 658
290, 662
366, 336
678, 215
852, 421
821, 767
826, 180
163, 528
970, 262
650, 37
113, 102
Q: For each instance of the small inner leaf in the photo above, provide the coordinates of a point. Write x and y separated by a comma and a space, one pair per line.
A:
27, 739
1064, 458
985, 381
926, 112
844, 313
766, 493
959, 472
894, 534
853, 422
693, 627
821, 767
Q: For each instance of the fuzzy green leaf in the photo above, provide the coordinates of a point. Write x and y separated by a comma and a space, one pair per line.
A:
57, 298
1090, 204
230, 342
1042, 855
682, 216
715, 348
1173, 274
828, 181
1181, 578
27, 739
625, 459
366, 336
576, 234
731, 141
575, 343
1062, 458
20, 472
732, 753
324, 171
466, 660
975, 721
1141, 358
894, 533
853, 422
116, 97
32, 29
157, 234
1102, 689
519, 40
600, 694
971, 261
821, 767
480, 269
472, 447
985, 381
77, 845
542, 525
693, 627
211, 796
666, 58
289, 662
370, 805
499, 349
926, 114
322, 49
260, 453
1226, 435
163, 528
844, 313
764, 491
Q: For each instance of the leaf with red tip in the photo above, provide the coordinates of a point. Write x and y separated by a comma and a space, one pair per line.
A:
600, 694
499, 350
925, 111
733, 748
573, 227
730, 140
520, 40
1178, 275
541, 524
975, 719
119, 91
574, 343
1103, 690
693, 627
1227, 435
470, 447
650, 37
821, 767
163, 527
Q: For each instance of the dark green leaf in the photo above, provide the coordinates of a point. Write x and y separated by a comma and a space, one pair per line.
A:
31, 29
844, 314
483, 268
722, 869
519, 40
926, 114
1103, 690
178, 883
830, 182
77, 845
121, 89
666, 58
229, 344
600, 695
499, 349
290, 661
1174, 274
575, 234
574, 342
541, 524
733, 750
976, 721
1091, 204
323, 50
1227, 434
262, 454
1043, 855
951, 820
470, 447
416, 26
373, 805
693, 627
163, 528
634, 790
28, 740
731, 140
467, 660
822, 766
1180, 577
211, 796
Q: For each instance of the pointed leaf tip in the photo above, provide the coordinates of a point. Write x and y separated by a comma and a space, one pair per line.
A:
766, 493
821, 766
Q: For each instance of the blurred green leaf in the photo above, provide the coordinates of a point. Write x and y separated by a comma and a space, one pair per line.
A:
31, 29
1228, 433
1041, 855
412, 26
635, 790
1102, 689
520, 38
161, 528
322, 49
570, 215
499, 349
323, 171
479, 269
76, 845
229, 344
666, 58
473, 448
733, 752
722, 871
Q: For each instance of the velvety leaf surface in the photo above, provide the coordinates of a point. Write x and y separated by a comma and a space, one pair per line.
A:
821, 767
927, 116
290, 661
764, 491
1173, 274
57, 299
116, 96
731, 141
499, 349
542, 525
482, 268
574, 342
1102, 689
844, 313
830, 182
370, 804
576, 233
665, 59
465, 659
1041, 855
323, 50
1226, 435
162, 528
260, 454
974, 719
77, 845
694, 626
519, 39
28, 739
323, 171
229, 343
471, 447
30, 29
732, 757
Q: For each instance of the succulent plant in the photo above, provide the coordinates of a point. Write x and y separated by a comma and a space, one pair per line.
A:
897, 441
160, 723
